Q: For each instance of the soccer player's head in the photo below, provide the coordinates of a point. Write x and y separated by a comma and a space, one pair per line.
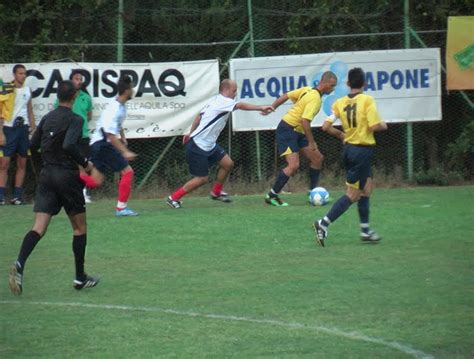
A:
66, 91
228, 88
125, 88
76, 78
19, 73
328, 82
356, 78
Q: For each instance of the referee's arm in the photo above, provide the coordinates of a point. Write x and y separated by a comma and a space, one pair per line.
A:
73, 134
35, 142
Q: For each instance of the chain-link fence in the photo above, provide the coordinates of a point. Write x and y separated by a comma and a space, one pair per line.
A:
188, 30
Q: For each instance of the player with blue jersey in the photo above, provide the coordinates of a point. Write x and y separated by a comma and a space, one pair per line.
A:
294, 134
202, 151
109, 148
360, 119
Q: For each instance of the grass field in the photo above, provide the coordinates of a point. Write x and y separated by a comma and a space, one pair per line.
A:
245, 280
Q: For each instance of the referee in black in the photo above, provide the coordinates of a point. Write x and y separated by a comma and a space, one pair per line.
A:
59, 186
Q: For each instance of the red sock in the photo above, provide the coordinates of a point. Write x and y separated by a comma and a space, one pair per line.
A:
217, 189
125, 186
88, 181
178, 194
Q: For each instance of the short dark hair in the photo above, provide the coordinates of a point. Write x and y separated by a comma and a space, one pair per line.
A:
356, 78
18, 66
124, 84
66, 91
75, 72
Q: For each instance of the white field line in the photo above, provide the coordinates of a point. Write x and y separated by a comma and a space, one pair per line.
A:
292, 325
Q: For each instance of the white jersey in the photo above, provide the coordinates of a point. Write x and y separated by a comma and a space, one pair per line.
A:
20, 107
110, 121
214, 117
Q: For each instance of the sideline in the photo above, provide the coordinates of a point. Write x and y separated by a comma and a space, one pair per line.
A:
293, 325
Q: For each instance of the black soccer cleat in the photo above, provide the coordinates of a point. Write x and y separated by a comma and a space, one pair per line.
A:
321, 233
172, 203
223, 197
370, 237
15, 279
88, 282
274, 200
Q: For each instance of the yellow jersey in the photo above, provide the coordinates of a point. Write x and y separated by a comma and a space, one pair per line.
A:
357, 113
307, 102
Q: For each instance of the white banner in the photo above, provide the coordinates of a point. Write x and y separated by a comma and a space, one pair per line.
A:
406, 84
168, 96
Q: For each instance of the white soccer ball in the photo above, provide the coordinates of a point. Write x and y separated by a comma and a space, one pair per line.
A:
318, 196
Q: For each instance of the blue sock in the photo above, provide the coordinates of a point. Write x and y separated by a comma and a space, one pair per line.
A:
2, 193
18, 193
280, 182
313, 177
363, 207
338, 208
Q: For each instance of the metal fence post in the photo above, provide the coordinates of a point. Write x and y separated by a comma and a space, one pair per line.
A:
120, 32
252, 54
406, 31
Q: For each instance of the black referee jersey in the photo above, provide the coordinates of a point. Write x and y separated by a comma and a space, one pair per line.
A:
58, 135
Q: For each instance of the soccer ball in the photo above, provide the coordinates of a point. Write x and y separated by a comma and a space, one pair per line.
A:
318, 196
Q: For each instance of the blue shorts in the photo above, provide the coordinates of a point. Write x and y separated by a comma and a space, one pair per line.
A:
200, 161
288, 140
358, 164
106, 158
17, 141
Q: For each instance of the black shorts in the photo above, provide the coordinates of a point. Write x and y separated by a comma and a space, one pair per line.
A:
200, 161
106, 158
358, 164
58, 188
288, 140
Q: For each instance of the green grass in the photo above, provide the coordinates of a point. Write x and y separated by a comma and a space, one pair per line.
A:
248, 260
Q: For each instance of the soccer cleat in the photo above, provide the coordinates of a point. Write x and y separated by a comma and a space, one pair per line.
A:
87, 198
275, 201
16, 201
15, 279
223, 197
172, 203
88, 282
321, 233
2, 202
370, 237
126, 212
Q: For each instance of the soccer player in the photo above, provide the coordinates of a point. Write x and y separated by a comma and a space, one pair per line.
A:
16, 113
82, 106
109, 148
360, 119
294, 134
59, 186
202, 151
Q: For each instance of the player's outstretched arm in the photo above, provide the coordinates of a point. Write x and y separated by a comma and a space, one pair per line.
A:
329, 129
279, 101
264, 109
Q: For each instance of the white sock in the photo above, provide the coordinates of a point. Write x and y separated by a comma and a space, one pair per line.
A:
121, 205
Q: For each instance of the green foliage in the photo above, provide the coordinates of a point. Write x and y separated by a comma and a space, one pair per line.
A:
437, 176
460, 153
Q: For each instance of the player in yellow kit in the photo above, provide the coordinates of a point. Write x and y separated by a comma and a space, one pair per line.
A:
294, 134
360, 119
